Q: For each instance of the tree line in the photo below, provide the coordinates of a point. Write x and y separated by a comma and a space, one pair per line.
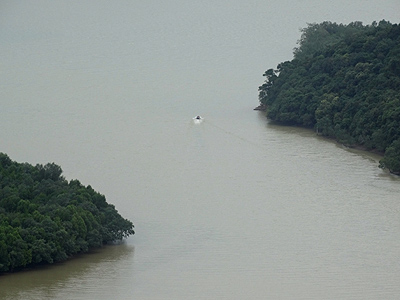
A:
343, 81
45, 219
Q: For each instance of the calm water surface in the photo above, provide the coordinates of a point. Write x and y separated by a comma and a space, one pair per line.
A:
231, 208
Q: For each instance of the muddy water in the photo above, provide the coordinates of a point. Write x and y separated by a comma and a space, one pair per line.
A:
231, 208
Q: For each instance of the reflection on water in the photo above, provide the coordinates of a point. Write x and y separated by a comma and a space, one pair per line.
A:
86, 271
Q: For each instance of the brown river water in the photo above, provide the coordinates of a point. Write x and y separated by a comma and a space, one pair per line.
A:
233, 207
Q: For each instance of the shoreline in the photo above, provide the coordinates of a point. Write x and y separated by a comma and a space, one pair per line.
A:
263, 108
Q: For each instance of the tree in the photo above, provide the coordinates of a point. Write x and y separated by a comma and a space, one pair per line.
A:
391, 160
344, 81
45, 219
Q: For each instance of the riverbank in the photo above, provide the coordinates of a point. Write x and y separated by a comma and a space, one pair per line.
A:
261, 107
379, 154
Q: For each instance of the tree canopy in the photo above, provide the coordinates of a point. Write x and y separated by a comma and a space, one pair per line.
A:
45, 219
344, 81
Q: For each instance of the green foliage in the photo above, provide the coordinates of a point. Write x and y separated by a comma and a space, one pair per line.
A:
392, 158
344, 81
45, 219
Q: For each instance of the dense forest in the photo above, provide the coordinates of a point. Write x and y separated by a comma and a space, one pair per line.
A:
343, 81
45, 219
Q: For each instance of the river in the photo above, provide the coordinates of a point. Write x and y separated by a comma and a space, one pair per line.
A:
231, 208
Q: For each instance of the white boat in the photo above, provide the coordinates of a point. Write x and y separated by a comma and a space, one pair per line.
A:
198, 119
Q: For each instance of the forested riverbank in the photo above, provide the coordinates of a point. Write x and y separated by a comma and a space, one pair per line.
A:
344, 81
45, 219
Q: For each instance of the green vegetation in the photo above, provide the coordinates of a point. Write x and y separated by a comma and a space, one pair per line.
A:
344, 81
45, 219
